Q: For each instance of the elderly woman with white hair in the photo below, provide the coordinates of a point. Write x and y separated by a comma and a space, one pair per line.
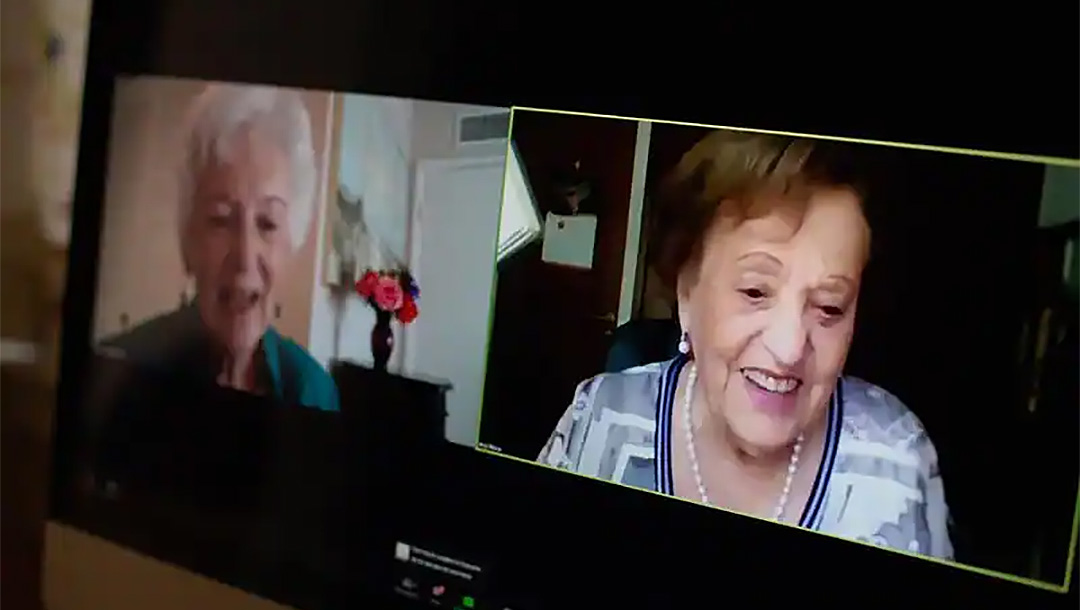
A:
245, 200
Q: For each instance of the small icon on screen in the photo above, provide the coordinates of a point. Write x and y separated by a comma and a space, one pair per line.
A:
409, 584
438, 590
401, 551
468, 602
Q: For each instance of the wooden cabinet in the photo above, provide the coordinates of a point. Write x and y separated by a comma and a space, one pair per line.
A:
396, 414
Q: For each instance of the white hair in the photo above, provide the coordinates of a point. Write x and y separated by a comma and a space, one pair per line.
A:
222, 110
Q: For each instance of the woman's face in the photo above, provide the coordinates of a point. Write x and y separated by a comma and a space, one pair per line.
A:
238, 239
771, 308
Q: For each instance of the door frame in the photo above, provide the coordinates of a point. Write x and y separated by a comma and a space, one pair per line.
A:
414, 238
633, 271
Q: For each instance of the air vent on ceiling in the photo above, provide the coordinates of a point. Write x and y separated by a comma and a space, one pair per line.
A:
484, 127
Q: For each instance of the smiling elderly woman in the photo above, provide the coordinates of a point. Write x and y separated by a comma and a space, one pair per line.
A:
766, 248
246, 198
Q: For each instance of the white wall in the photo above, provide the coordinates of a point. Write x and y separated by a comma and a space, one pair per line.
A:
456, 226
458, 203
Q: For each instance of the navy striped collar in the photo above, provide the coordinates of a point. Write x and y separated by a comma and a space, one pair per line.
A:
665, 483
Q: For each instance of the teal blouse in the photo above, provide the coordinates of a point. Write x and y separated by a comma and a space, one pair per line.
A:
295, 376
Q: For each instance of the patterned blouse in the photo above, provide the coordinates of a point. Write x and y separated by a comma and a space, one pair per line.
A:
878, 481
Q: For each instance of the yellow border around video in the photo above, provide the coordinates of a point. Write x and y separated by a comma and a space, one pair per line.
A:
495, 268
1062, 587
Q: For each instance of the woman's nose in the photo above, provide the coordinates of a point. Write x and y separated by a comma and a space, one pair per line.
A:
786, 336
245, 247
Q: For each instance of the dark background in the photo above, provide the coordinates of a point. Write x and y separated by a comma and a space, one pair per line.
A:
902, 75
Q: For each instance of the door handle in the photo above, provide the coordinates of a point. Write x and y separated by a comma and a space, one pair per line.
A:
607, 317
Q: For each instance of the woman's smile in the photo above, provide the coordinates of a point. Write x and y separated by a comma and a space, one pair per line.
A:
771, 392
238, 301
771, 382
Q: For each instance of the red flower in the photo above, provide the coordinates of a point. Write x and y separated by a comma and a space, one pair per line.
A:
408, 311
388, 293
365, 286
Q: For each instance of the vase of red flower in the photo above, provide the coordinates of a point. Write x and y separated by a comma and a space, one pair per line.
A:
392, 294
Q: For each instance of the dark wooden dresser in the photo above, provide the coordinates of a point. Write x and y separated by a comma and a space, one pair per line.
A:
404, 411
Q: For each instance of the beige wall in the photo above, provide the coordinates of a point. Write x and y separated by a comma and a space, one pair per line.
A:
140, 273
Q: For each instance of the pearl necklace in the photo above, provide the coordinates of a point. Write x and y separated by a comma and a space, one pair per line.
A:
793, 464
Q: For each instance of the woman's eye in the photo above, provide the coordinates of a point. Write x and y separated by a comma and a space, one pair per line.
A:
266, 225
754, 294
219, 220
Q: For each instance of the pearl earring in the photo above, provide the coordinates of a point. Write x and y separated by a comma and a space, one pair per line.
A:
684, 343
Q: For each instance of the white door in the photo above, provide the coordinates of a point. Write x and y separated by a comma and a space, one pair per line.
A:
455, 229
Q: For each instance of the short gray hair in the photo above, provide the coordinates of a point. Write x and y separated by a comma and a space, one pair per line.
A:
223, 109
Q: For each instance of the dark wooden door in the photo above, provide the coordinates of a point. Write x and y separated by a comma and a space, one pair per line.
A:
552, 324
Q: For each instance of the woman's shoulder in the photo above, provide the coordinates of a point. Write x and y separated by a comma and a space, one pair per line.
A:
625, 399
313, 384
887, 487
880, 422
633, 390
645, 373
294, 355
153, 340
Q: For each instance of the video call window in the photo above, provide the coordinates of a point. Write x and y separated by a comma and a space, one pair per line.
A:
870, 341
239, 220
